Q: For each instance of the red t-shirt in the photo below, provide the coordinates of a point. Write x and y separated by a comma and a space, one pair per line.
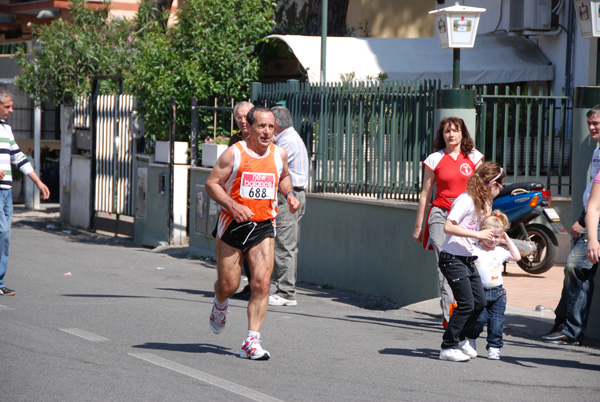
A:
451, 176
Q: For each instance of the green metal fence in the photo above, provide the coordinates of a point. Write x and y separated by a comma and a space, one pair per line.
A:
528, 134
364, 139
369, 139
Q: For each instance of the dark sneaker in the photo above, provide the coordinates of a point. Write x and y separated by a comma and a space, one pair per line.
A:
243, 294
7, 292
559, 338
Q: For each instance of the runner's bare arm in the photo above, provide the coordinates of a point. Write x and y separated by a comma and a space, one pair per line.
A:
214, 187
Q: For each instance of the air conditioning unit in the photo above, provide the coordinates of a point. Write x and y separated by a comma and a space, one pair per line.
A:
530, 15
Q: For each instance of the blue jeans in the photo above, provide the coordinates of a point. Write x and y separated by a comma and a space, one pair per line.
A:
578, 288
467, 288
6, 211
493, 316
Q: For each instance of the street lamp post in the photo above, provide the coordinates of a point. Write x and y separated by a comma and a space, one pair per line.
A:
457, 27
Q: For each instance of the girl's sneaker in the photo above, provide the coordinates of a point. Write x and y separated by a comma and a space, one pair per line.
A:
468, 347
453, 355
493, 353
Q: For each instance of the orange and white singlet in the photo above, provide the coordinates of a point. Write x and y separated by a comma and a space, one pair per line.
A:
254, 183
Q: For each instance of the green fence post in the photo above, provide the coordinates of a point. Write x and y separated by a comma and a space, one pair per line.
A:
255, 91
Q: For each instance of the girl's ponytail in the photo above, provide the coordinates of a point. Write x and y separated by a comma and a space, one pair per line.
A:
479, 185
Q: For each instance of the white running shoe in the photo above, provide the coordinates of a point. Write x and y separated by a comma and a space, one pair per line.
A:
276, 300
468, 347
217, 317
251, 349
453, 355
493, 353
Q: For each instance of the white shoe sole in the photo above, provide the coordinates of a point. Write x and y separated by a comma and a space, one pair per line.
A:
265, 356
455, 357
283, 302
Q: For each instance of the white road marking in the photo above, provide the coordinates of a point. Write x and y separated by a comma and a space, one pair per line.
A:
84, 334
207, 378
5, 308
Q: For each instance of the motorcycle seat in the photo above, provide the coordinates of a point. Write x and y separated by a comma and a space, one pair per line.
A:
527, 186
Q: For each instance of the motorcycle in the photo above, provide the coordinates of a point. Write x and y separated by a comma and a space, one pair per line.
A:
537, 243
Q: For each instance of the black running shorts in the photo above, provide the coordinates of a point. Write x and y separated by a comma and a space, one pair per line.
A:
247, 234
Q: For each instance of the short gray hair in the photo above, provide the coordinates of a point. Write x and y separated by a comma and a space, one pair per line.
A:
240, 104
5, 94
283, 118
593, 111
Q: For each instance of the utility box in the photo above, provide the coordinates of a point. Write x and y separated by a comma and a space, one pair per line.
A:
530, 15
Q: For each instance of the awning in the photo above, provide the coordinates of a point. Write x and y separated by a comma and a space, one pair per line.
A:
495, 59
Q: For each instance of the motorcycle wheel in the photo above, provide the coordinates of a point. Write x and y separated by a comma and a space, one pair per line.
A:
547, 250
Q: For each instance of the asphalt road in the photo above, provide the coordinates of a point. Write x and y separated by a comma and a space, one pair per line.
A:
98, 319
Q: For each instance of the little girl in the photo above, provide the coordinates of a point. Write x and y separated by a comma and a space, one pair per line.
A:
490, 264
457, 259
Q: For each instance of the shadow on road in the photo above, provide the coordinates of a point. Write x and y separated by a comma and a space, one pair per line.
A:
185, 347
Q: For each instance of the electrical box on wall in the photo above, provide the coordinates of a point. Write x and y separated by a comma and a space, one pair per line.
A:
530, 15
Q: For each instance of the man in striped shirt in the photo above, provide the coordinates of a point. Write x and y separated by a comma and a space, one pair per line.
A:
288, 224
10, 153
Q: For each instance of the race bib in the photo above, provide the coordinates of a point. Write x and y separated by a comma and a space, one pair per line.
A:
258, 186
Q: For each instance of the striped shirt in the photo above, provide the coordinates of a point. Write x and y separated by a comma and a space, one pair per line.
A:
11, 153
297, 156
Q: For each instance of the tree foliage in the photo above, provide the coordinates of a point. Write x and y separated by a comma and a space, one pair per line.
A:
68, 53
208, 53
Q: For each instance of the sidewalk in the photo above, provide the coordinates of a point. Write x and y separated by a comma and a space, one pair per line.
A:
531, 301
46, 211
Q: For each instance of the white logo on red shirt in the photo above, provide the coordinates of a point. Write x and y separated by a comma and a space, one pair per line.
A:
466, 169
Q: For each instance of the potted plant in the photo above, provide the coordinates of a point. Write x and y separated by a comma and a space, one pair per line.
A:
212, 148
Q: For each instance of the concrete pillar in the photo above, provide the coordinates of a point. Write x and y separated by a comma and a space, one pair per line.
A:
66, 150
456, 103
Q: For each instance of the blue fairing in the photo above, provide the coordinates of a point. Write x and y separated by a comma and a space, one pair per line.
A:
514, 206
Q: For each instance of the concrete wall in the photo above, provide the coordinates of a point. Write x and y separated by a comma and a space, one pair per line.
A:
391, 18
366, 246
355, 244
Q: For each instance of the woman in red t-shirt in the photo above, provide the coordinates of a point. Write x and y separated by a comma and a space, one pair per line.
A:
449, 168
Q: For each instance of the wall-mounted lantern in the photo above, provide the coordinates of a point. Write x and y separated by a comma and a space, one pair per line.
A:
588, 15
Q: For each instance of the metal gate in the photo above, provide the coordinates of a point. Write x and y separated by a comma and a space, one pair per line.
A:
112, 151
529, 134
